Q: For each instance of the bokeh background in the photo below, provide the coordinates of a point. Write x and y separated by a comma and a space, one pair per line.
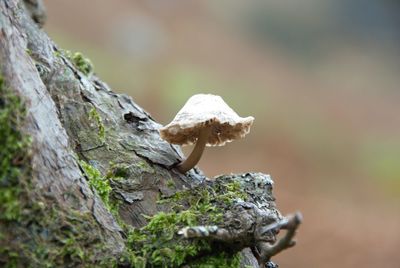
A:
322, 79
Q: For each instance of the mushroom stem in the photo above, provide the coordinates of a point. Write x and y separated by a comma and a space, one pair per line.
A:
198, 150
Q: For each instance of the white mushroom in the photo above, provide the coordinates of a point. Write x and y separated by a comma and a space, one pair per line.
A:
205, 119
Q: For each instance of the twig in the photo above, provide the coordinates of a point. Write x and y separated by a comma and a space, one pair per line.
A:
265, 250
212, 232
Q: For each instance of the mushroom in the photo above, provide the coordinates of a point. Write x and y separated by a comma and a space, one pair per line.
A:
205, 119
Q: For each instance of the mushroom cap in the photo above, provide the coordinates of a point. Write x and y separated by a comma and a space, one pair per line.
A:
204, 110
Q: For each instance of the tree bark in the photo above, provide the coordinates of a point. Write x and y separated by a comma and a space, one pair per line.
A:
74, 119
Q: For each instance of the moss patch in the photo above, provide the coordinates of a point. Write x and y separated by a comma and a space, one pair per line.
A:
52, 237
13, 153
98, 183
34, 230
220, 260
83, 64
158, 245
102, 184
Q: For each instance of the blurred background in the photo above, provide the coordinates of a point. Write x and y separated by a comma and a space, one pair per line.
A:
322, 79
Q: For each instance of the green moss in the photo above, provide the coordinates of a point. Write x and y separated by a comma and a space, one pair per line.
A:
157, 243
83, 64
98, 183
64, 239
170, 183
220, 260
94, 115
59, 53
29, 52
144, 166
13, 152
35, 231
230, 191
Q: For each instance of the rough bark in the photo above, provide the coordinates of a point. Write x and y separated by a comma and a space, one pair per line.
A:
72, 116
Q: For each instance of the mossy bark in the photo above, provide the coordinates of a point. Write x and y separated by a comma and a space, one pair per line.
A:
85, 213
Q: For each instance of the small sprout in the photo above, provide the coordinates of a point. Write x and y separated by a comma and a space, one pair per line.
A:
207, 121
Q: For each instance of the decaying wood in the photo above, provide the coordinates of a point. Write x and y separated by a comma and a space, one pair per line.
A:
60, 100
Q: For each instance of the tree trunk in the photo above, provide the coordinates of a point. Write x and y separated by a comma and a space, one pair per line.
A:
90, 178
